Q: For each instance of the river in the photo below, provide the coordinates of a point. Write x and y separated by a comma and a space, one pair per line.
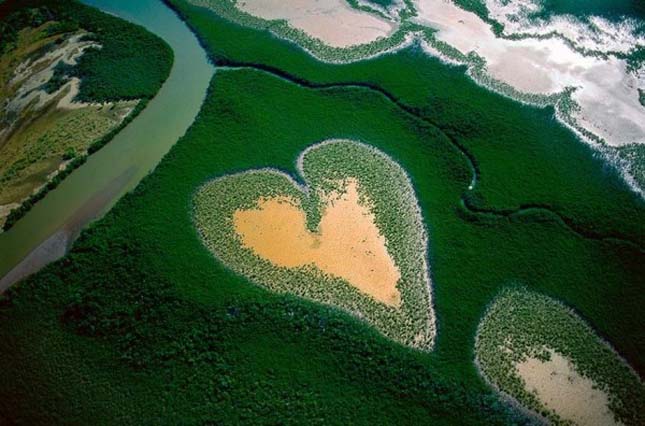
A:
48, 230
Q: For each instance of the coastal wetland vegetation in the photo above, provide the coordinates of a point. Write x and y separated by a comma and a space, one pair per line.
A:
140, 323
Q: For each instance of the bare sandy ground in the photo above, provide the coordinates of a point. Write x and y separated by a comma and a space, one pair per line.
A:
51, 249
28, 114
560, 388
331, 21
605, 90
26, 96
348, 244
32, 74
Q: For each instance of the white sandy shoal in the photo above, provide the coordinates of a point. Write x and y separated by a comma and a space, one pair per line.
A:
333, 22
29, 79
6, 209
593, 33
606, 92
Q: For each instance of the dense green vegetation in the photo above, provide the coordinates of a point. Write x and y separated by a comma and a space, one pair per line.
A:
140, 286
635, 155
229, 10
77, 160
476, 6
521, 324
140, 323
534, 168
612, 9
382, 3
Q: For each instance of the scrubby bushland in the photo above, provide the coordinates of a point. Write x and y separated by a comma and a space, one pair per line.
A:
523, 160
138, 288
409, 31
635, 156
382, 3
142, 308
228, 9
522, 154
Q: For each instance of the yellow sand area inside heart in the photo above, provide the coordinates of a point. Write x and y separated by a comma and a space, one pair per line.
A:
348, 243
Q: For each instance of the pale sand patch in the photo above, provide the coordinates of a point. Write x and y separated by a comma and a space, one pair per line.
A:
67, 102
72, 88
348, 244
605, 90
331, 21
30, 75
559, 387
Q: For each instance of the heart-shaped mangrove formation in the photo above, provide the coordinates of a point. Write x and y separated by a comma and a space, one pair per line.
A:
351, 237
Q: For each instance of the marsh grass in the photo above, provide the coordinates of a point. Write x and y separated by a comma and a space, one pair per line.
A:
534, 168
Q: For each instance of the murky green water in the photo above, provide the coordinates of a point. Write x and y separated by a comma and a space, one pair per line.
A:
93, 188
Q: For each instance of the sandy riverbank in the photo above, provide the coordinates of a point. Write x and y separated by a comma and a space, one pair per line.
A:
43, 131
57, 244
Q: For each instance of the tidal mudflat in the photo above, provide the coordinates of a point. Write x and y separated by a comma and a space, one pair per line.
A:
333, 22
347, 244
590, 71
194, 301
604, 85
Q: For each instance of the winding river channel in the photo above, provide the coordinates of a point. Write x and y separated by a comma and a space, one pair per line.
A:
49, 229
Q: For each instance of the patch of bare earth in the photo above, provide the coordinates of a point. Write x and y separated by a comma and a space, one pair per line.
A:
348, 243
333, 22
559, 387
606, 91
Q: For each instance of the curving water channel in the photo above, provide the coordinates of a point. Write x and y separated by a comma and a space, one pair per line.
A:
48, 230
